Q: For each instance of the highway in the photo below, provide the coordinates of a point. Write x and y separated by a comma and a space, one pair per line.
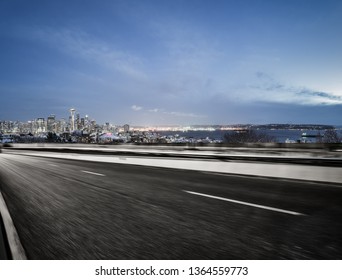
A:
74, 209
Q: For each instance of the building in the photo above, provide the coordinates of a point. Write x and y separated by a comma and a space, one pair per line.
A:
126, 128
72, 119
40, 125
51, 123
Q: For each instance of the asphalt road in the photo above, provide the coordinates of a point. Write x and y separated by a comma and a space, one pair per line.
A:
68, 209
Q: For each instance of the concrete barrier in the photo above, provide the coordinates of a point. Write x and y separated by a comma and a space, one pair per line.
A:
294, 155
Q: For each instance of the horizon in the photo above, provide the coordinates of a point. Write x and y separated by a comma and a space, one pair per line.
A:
166, 62
183, 126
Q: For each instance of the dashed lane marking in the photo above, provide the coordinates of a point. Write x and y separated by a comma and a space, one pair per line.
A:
93, 173
247, 203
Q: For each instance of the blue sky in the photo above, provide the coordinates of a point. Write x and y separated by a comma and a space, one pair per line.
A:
172, 62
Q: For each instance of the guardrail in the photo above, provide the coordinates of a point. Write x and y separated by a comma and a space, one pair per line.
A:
318, 157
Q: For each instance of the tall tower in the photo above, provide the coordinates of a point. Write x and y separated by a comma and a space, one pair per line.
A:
126, 128
51, 123
72, 113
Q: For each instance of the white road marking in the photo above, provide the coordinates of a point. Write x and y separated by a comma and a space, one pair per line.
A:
54, 165
284, 171
17, 250
93, 173
247, 203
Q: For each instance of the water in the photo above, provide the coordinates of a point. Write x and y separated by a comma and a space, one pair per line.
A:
280, 134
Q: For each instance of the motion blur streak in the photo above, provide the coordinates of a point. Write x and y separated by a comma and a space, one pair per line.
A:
142, 212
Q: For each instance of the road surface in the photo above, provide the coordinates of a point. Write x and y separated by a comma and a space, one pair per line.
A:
71, 209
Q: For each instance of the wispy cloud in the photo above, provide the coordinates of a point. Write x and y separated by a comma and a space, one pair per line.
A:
320, 96
190, 58
180, 68
183, 114
155, 110
268, 89
136, 108
176, 113
78, 43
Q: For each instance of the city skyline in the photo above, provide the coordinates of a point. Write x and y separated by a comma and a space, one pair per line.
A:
82, 122
77, 117
172, 62
78, 128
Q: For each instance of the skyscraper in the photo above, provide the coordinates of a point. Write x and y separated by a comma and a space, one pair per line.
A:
51, 120
41, 127
126, 128
72, 121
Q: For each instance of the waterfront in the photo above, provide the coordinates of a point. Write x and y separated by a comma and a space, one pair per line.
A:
180, 136
280, 135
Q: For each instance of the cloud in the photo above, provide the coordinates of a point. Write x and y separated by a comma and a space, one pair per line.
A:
182, 114
180, 68
136, 108
187, 71
188, 58
155, 110
175, 113
77, 43
268, 89
320, 95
